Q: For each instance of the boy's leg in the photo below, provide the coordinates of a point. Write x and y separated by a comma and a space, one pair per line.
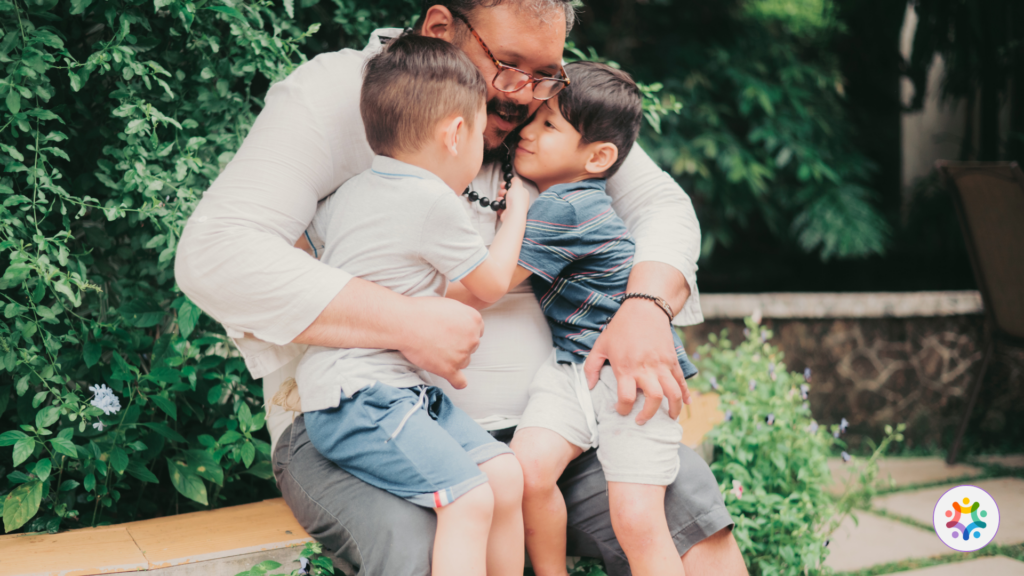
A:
638, 518
505, 541
639, 462
554, 430
544, 455
385, 436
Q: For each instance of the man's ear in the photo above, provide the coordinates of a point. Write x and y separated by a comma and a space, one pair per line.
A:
438, 22
450, 132
602, 156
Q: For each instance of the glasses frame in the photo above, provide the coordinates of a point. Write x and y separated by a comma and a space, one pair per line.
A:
564, 80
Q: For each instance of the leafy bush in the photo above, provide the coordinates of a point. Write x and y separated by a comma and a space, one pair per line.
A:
116, 119
771, 456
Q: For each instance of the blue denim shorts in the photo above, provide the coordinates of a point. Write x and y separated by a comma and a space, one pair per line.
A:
412, 442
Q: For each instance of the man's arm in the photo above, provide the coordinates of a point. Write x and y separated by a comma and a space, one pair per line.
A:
638, 341
236, 258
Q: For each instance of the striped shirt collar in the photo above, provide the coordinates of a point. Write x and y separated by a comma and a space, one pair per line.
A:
391, 169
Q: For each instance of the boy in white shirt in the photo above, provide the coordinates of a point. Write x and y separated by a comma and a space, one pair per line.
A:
402, 225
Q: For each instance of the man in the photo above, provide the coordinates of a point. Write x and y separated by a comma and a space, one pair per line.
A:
236, 261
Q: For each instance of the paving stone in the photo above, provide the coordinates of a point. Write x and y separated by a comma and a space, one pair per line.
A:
879, 540
903, 471
1004, 460
919, 505
991, 566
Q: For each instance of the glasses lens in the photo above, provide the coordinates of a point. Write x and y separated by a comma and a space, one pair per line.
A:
510, 80
547, 89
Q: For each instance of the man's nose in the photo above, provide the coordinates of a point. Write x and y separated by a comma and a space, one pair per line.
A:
523, 97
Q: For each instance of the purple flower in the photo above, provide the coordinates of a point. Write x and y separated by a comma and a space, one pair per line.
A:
771, 370
836, 433
753, 384
807, 374
812, 427
746, 332
728, 415
804, 389
846, 457
304, 566
764, 337
770, 419
714, 382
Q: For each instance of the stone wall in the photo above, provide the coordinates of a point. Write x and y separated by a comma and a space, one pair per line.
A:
882, 370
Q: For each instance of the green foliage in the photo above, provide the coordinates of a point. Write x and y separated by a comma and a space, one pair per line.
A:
117, 117
319, 565
771, 458
762, 139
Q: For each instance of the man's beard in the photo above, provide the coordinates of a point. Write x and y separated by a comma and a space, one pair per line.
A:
515, 114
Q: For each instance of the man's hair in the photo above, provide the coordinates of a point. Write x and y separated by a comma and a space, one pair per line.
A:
603, 104
539, 9
411, 85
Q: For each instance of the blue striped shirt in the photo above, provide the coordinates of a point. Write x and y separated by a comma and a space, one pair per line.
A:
580, 254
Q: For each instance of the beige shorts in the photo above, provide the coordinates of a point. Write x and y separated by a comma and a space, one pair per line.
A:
560, 402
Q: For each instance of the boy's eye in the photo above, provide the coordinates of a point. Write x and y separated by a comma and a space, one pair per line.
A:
548, 124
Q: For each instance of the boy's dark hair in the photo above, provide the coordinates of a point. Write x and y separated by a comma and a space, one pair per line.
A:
411, 85
603, 104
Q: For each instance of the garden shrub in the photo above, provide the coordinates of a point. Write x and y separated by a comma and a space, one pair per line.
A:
771, 456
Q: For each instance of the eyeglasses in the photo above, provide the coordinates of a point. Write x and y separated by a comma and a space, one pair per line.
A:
510, 79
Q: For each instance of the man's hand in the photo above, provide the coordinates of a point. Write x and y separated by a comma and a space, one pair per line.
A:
638, 343
440, 337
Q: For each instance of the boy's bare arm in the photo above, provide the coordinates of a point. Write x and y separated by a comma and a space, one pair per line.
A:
457, 291
491, 279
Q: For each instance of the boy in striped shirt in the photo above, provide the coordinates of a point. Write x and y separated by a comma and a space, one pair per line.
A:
578, 255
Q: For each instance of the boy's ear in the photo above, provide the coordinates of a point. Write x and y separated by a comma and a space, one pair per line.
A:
450, 134
602, 156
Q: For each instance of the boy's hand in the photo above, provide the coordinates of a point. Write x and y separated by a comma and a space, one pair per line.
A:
517, 200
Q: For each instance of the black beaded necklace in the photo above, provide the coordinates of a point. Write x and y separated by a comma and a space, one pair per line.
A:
484, 201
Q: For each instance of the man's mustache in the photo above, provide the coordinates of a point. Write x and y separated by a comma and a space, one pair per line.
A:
508, 110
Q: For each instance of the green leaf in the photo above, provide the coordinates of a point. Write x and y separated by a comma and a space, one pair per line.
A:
188, 484
78, 7
244, 417
188, 317
166, 405
205, 466
227, 10
23, 449
42, 469
47, 416
91, 353
14, 101
228, 437
262, 470
118, 459
163, 430
248, 453
142, 313
90, 482
64, 446
11, 437
22, 504
139, 471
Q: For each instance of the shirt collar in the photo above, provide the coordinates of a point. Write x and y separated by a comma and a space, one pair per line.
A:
379, 36
387, 167
590, 184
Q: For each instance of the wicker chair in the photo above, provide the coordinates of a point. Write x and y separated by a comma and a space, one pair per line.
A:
989, 200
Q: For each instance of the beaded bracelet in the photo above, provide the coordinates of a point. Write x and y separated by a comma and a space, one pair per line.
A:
657, 300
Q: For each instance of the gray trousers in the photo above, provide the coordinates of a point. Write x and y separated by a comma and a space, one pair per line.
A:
369, 532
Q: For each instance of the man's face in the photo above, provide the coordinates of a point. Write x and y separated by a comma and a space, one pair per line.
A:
519, 40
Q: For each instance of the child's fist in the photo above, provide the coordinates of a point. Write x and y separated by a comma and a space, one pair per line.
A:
517, 199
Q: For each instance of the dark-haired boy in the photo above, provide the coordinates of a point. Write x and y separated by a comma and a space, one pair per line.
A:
578, 254
402, 225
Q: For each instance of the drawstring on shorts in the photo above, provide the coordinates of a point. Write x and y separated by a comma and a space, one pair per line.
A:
419, 404
586, 402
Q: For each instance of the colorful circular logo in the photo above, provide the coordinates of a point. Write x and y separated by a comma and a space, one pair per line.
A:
966, 518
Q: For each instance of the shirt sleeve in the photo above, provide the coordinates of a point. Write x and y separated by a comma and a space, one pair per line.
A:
661, 218
551, 241
236, 259
448, 241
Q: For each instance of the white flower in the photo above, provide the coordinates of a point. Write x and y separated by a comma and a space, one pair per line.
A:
98, 426
843, 425
846, 456
737, 489
804, 389
105, 399
812, 427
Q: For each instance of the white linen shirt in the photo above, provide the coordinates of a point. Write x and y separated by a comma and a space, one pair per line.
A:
236, 258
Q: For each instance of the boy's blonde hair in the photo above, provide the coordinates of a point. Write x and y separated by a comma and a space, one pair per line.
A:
411, 85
